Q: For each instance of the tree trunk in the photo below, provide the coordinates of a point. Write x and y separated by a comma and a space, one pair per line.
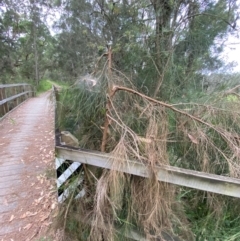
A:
35, 44
192, 10
163, 10
36, 59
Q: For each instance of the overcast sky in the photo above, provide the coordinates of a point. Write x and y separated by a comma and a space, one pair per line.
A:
232, 51
232, 45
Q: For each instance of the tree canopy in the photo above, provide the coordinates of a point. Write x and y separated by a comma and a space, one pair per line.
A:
138, 89
162, 45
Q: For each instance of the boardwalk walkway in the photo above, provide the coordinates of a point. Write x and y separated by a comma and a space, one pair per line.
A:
26, 159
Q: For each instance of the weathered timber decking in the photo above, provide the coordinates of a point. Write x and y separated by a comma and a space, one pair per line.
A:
26, 150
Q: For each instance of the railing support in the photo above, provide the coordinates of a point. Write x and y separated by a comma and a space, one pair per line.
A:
12, 95
3, 96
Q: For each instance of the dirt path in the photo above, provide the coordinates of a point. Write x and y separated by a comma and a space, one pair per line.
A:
27, 190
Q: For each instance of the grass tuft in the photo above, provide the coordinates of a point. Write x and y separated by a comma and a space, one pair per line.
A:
44, 85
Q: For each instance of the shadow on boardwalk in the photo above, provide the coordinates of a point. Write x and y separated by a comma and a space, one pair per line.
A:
26, 160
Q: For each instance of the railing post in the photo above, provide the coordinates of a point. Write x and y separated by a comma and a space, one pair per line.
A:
11, 95
11, 103
23, 97
25, 89
1, 106
2, 97
33, 91
15, 102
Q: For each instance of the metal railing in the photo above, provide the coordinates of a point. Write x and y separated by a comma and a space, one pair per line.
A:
71, 159
179, 176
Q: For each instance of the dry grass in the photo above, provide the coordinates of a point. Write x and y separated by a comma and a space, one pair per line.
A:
198, 136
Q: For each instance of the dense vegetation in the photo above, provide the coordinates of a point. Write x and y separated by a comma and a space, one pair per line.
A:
164, 46
147, 84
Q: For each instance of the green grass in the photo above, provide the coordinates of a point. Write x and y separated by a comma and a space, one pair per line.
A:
44, 85
232, 98
60, 84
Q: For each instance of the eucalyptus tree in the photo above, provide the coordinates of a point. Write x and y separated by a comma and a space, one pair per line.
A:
25, 37
77, 39
9, 20
35, 39
163, 45
181, 45
35, 42
159, 50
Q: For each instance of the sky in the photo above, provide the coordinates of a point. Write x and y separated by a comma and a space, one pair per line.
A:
232, 45
232, 52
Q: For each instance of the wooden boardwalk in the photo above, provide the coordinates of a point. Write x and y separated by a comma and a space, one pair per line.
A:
26, 156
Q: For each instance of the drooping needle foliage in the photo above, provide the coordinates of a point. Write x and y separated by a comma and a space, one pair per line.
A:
199, 136
147, 84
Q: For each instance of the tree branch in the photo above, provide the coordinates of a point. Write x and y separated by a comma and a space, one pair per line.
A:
210, 15
169, 106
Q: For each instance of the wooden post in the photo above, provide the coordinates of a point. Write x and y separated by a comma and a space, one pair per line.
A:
5, 106
1, 106
12, 102
27, 89
11, 95
15, 102
33, 92
22, 90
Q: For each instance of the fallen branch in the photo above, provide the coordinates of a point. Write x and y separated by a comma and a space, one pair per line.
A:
169, 106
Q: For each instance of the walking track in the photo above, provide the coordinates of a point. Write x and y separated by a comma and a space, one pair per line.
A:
27, 192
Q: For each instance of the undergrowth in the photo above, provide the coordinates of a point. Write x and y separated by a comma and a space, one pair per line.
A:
44, 85
111, 115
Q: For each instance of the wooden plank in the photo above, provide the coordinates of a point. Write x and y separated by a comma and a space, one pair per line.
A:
13, 97
15, 101
5, 106
1, 107
33, 92
13, 85
174, 175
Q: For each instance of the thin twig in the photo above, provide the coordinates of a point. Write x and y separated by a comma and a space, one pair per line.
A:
231, 90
